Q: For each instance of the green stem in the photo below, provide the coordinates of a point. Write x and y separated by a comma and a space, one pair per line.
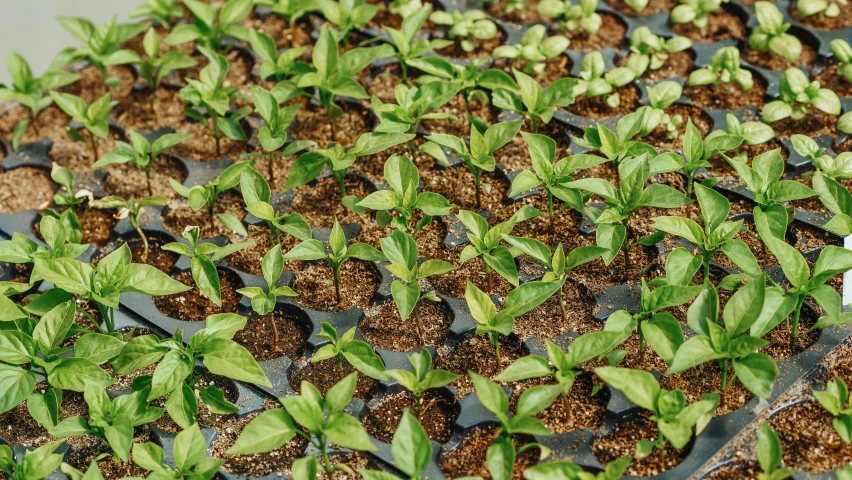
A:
641, 342
91, 319
326, 460
271, 162
477, 180
495, 340
214, 117
796, 315
148, 180
723, 364
707, 256
336, 272
404, 68
341, 177
135, 224
562, 307
94, 144
689, 185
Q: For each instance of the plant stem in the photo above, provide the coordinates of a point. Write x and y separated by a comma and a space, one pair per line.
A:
796, 315
496, 342
404, 68
94, 144
723, 364
336, 273
213, 118
33, 121
707, 256
562, 307
327, 466
142, 236
341, 181
477, 180
487, 278
276, 343
419, 322
271, 162
148, 181
689, 185
641, 342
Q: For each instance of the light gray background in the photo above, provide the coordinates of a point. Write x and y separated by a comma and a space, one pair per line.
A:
29, 27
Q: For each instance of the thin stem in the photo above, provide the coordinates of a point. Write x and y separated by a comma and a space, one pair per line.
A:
404, 68
562, 307
641, 342
327, 466
689, 185
477, 180
796, 315
271, 162
487, 278
148, 180
419, 322
336, 272
142, 236
213, 118
341, 181
33, 121
91, 319
723, 364
497, 354
94, 144
707, 256
276, 343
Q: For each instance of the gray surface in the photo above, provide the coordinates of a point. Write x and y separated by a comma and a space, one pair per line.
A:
29, 27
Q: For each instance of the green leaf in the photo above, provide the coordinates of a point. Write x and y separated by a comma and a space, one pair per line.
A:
16, 384
638, 386
490, 394
757, 372
75, 373
345, 430
269, 430
411, 448
189, 448
182, 405
230, 359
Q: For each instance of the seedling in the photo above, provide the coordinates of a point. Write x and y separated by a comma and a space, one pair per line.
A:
208, 93
132, 210
619, 145
558, 265
769, 455
212, 24
518, 302
836, 199
828, 8
799, 97
291, 10
725, 68
501, 453
103, 284
698, 151
842, 52
202, 257
71, 200
716, 233
535, 104
408, 48
257, 195
422, 378
101, 44
39, 351
752, 133
357, 353
160, 12
411, 450
29, 91
771, 33
485, 242
412, 106
9, 310
471, 78
311, 250
204, 196
534, 50
403, 178
668, 408
155, 67
649, 51
348, 15
21, 249
111, 421
838, 167
582, 17
188, 453
407, 8
334, 72
175, 373
834, 399
263, 303
322, 417
596, 82
141, 152
844, 123
696, 12
285, 67
729, 343
568, 471
338, 159
93, 117
479, 157
661, 96
466, 26
35, 465
401, 251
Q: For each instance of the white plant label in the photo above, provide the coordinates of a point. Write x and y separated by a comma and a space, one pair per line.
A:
847, 277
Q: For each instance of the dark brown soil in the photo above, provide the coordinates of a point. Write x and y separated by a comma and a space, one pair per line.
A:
437, 416
321, 203
580, 409
817, 123
19, 428
201, 146
325, 374
129, 181
545, 321
25, 188
204, 417
359, 281
554, 69
387, 19
193, 305
157, 257
468, 459
453, 284
736, 470
258, 336
483, 47
808, 440
611, 35
460, 128
382, 327
728, 96
91, 85
78, 155
45, 125
312, 123
701, 120
524, 16
597, 107
767, 59
476, 353
695, 382
621, 441
276, 28
177, 216
145, 110
654, 6
830, 79
679, 64
96, 226
721, 25
822, 22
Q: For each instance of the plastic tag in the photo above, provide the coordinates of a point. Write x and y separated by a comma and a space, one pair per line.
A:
847, 277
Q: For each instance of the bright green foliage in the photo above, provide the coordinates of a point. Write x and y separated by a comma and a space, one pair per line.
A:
696, 12
160, 12
661, 96
175, 374
202, 257
771, 33
204, 196
835, 400
479, 157
291, 10
401, 251
752, 133
411, 450
101, 44
322, 417
110, 420
534, 50
257, 197
836, 199
402, 176
675, 420
728, 342
155, 67
582, 17
838, 167
501, 453
141, 152
208, 93
595, 81
769, 455
357, 353
518, 302
422, 378
466, 26
29, 91
21, 249
619, 145
408, 47
347, 15
842, 52
104, 283
36, 464
844, 123
698, 151
724, 68
131, 209
828, 8
339, 253
565, 470
844, 473
189, 454
650, 51
534, 103
212, 24
800, 97
485, 242
9, 310
263, 302
94, 117
284, 67
414, 105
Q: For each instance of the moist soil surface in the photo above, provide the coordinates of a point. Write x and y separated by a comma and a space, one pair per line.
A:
728, 96
195, 306
25, 188
721, 25
258, 335
177, 215
736, 470
483, 47
823, 22
830, 79
554, 69
611, 35
437, 415
127, 180
596, 107
621, 441
163, 260
654, 6
580, 409
382, 327
476, 353
767, 59
677, 65
325, 373
468, 459
523, 16
808, 440
359, 281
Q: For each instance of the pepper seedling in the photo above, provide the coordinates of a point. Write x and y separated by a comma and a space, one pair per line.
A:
59, 244
285, 67
518, 302
799, 97
565, 470
132, 210
263, 303
411, 450
155, 67
824, 8
535, 104
725, 67
35, 464
771, 33
836, 198
202, 257
212, 24
485, 242
582, 17
834, 399
675, 420
844, 123
401, 251
347, 16
161, 12
357, 353
842, 52
660, 97
752, 132
204, 196
534, 50
93, 117
696, 12
311, 250
838, 167
322, 416
466, 26
413, 105
404, 179
30, 92
291, 10
101, 45
257, 197
650, 51
175, 374
188, 452
698, 151
408, 48
769, 455
141, 152
619, 145
596, 82
422, 378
